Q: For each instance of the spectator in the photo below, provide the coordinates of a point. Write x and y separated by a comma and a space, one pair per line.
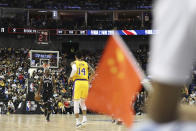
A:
11, 107
61, 107
68, 106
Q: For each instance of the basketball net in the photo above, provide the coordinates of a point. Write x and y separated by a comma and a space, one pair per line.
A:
46, 66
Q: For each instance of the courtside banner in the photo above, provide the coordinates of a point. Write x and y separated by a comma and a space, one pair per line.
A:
121, 32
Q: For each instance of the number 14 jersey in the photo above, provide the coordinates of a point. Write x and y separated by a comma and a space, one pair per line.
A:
82, 70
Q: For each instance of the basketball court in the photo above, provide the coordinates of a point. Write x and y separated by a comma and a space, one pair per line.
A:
58, 123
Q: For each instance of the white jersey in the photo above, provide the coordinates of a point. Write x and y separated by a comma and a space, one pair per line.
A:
173, 49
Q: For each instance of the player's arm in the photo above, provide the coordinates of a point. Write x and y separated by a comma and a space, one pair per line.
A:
92, 72
40, 86
73, 72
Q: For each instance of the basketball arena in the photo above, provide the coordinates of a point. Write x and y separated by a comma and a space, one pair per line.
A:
50, 49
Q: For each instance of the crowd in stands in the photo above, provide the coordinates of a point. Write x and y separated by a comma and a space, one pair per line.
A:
140, 102
13, 75
17, 85
94, 23
79, 5
15, 88
76, 20
141, 55
189, 91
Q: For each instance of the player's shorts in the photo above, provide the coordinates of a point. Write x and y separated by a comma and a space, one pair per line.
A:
47, 96
80, 89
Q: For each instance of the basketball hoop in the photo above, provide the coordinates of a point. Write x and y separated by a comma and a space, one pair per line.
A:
45, 66
41, 59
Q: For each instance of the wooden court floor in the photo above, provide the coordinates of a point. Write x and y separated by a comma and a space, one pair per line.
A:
14, 122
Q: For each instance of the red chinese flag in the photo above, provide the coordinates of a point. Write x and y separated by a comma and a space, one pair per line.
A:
116, 82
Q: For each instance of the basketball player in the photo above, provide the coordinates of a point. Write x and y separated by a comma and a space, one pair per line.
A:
47, 86
172, 54
80, 76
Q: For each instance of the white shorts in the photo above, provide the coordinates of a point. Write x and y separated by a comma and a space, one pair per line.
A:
173, 49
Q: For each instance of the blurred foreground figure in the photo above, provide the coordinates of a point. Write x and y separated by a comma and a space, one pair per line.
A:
171, 57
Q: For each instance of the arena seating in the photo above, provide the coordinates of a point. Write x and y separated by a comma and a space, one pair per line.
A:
82, 5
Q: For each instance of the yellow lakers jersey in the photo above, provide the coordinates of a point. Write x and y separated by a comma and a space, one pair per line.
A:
82, 70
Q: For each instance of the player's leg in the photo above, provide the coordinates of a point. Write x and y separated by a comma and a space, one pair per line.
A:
45, 110
49, 110
76, 97
49, 105
84, 110
45, 104
76, 111
84, 94
47, 113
